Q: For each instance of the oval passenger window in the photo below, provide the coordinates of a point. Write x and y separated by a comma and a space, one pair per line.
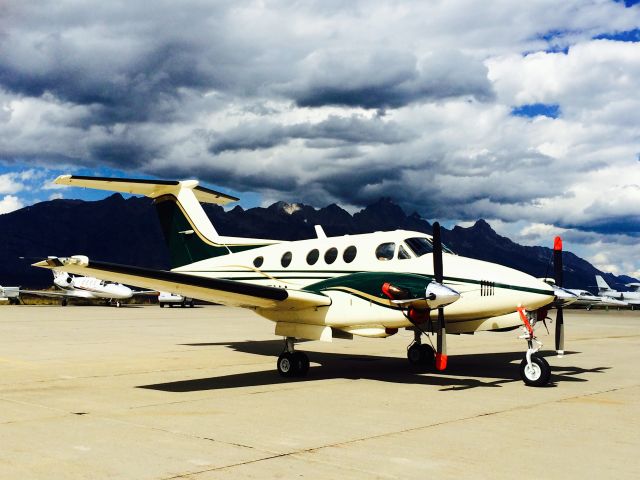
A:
349, 254
385, 251
331, 255
286, 259
312, 256
257, 262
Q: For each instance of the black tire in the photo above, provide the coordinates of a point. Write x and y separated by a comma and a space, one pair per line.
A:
540, 373
301, 364
162, 305
429, 355
415, 354
191, 304
286, 365
63, 302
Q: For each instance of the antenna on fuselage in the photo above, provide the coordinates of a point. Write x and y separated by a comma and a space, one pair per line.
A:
320, 232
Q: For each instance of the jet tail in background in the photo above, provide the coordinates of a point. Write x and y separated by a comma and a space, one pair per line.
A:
603, 286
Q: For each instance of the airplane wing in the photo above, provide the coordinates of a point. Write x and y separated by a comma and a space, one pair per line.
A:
49, 293
145, 292
225, 292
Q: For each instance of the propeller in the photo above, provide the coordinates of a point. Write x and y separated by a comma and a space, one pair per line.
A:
441, 345
557, 270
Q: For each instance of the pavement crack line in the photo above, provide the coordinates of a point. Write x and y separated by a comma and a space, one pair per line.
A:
388, 434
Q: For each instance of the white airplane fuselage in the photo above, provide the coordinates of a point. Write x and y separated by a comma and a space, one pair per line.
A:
489, 293
92, 288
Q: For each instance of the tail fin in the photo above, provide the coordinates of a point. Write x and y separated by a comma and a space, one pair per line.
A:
602, 285
189, 233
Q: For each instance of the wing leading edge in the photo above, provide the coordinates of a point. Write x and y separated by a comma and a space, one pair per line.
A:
226, 292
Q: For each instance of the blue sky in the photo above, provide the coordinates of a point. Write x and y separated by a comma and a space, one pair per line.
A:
524, 114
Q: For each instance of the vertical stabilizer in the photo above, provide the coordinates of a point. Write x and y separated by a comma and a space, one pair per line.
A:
187, 229
603, 286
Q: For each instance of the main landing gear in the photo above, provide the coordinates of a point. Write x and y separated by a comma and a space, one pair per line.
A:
292, 363
420, 354
534, 370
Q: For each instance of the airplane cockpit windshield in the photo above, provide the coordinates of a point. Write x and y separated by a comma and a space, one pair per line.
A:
421, 246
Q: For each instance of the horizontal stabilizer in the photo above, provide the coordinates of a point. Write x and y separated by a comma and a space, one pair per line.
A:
148, 188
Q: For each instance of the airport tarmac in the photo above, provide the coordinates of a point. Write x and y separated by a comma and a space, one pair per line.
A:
150, 393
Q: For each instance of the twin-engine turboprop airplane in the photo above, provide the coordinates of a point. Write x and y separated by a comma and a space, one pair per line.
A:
85, 287
332, 287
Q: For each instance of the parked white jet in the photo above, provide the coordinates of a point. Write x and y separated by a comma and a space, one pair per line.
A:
10, 293
631, 298
85, 287
589, 300
332, 287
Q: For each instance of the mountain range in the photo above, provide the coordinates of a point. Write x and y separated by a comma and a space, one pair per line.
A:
127, 231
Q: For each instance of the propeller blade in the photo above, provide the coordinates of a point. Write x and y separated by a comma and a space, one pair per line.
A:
560, 332
441, 346
437, 253
558, 277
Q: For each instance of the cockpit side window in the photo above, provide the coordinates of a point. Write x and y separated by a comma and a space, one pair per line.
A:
422, 245
385, 251
402, 253
419, 245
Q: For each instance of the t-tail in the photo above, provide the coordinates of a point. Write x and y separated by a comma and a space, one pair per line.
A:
187, 229
603, 286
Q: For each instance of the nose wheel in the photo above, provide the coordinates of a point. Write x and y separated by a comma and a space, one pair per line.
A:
291, 363
535, 373
534, 370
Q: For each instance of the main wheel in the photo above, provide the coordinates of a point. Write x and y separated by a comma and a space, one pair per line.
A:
286, 365
429, 355
415, 354
300, 363
538, 374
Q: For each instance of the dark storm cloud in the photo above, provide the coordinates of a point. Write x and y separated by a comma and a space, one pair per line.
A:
118, 152
388, 79
335, 130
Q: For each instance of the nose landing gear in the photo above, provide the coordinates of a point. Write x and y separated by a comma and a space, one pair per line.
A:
292, 363
534, 369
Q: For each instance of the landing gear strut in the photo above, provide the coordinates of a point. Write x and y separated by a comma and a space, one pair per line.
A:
534, 370
420, 354
292, 363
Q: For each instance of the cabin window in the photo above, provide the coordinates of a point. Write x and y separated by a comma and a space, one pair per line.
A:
331, 255
385, 251
349, 254
286, 259
258, 261
312, 256
402, 253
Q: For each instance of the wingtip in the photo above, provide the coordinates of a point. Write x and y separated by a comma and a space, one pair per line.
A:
63, 180
51, 262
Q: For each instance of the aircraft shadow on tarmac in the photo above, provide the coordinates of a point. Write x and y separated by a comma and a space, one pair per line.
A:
463, 371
